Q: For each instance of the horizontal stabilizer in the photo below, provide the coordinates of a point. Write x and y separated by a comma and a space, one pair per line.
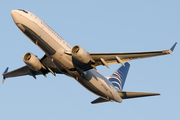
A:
99, 100
127, 95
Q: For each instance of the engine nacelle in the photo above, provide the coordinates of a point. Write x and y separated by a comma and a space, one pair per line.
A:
80, 54
32, 61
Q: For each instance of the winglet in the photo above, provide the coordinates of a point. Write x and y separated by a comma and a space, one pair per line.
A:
6, 70
4, 76
172, 48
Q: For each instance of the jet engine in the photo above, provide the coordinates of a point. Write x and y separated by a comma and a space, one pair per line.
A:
32, 61
80, 54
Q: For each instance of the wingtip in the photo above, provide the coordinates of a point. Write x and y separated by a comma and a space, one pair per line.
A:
6, 70
3, 80
172, 48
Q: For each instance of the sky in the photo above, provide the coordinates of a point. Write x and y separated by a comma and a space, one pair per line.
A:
99, 26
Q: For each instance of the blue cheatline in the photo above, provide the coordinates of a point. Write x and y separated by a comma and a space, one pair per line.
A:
119, 76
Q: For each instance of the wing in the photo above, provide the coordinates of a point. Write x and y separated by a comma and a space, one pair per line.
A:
25, 70
113, 58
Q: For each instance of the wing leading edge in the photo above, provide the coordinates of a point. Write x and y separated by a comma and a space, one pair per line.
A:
114, 58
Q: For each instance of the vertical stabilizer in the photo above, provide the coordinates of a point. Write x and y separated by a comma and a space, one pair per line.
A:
119, 76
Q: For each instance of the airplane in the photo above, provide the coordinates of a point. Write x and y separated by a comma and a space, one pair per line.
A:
75, 62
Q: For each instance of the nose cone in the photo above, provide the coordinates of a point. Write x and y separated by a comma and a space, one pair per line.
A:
12, 12
14, 15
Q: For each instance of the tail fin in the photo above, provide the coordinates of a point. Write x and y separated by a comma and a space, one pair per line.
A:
119, 76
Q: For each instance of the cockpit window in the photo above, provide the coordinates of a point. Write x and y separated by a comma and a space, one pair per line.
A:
23, 10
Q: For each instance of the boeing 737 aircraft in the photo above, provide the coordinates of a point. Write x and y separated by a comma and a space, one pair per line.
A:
76, 62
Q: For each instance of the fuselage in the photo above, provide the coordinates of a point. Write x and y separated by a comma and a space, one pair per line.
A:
55, 47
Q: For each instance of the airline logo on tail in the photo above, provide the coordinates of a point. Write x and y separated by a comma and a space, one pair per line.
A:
119, 76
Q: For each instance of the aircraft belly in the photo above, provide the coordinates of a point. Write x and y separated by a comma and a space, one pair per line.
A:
39, 36
38, 40
94, 84
91, 87
50, 47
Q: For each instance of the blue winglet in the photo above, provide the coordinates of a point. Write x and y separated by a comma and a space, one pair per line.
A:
4, 76
6, 70
172, 48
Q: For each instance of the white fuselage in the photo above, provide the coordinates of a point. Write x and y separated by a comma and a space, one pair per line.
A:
55, 47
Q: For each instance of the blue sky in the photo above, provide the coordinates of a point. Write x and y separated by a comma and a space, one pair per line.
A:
97, 26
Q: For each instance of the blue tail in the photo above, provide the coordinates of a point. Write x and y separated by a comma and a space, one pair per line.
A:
119, 76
